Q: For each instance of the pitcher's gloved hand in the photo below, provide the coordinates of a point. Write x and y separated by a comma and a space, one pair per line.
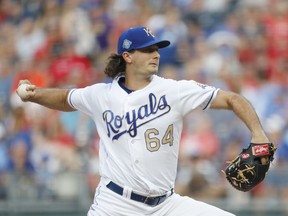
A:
249, 168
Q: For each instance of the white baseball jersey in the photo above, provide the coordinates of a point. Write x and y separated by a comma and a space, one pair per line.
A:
140, 131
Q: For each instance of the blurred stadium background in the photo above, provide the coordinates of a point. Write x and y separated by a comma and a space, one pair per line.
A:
49, 160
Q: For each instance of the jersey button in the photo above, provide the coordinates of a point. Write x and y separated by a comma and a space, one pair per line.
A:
136, 161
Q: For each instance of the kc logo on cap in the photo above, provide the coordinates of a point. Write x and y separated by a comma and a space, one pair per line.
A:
148, 32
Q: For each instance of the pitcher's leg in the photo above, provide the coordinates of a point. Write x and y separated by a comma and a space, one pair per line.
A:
186, 206
98, 206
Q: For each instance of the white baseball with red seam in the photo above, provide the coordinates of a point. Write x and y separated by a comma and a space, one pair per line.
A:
21, 90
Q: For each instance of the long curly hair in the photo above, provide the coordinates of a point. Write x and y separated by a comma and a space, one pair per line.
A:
116, 65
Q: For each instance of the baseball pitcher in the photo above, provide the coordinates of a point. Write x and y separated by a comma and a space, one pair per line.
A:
139, 118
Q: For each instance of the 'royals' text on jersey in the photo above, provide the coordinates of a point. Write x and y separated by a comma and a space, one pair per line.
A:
155, 108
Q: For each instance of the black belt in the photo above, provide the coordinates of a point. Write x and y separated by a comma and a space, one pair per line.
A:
151, 201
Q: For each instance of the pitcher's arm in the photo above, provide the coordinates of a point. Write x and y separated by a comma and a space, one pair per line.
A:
244, 110
52, 98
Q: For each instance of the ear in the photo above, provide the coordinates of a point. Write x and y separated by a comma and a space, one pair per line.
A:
127, 57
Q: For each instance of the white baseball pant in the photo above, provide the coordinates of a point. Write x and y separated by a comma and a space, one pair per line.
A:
108, 203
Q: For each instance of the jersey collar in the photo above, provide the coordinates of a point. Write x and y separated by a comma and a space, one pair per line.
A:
121, 81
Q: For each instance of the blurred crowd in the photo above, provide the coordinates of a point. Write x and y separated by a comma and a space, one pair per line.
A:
234, 45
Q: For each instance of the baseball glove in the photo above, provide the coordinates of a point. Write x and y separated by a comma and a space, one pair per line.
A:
246, 170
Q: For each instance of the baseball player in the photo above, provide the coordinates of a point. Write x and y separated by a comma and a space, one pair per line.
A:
139, 118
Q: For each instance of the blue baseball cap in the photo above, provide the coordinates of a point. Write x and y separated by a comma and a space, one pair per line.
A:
137, 38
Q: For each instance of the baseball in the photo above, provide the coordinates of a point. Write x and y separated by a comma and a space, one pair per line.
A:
22, 92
